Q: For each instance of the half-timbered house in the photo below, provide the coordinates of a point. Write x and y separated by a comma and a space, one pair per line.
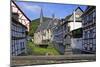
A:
19, 29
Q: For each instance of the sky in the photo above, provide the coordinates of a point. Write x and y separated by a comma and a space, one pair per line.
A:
33, 9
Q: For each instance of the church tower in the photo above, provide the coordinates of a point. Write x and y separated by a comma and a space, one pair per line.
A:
41, 16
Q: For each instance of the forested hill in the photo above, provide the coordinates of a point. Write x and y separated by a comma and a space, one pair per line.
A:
34, 25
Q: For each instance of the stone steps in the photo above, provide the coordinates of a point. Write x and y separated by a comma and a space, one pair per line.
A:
68, 51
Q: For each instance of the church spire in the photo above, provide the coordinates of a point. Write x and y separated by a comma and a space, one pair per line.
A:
53, 16
41, 16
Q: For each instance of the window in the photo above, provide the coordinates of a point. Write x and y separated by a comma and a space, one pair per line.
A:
13, 44
85, 48
44, 33
18, 34
90, 17
14, 33
91, 45
19, 29
21, 44
12, 48
94, 14
94, 30
94, 48
94, 41
85, 45
86, 34
85, 19
91, 48
84, 41
11, 32
17, 46
91, 33
88, 47
15, 28
90, 41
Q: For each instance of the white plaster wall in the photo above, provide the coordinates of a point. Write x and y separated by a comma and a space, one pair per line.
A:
74, 25
47, 34
37, 38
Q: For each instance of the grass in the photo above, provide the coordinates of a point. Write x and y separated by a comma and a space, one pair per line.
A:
36, 50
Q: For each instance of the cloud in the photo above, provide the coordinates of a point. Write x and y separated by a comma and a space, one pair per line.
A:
32, 8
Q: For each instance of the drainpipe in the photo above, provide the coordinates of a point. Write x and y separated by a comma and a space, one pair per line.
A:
73, 25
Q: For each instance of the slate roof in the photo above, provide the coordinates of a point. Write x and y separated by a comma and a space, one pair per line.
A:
44, 25
51, 24
70, 17
47, 24
67, 17
88, 9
